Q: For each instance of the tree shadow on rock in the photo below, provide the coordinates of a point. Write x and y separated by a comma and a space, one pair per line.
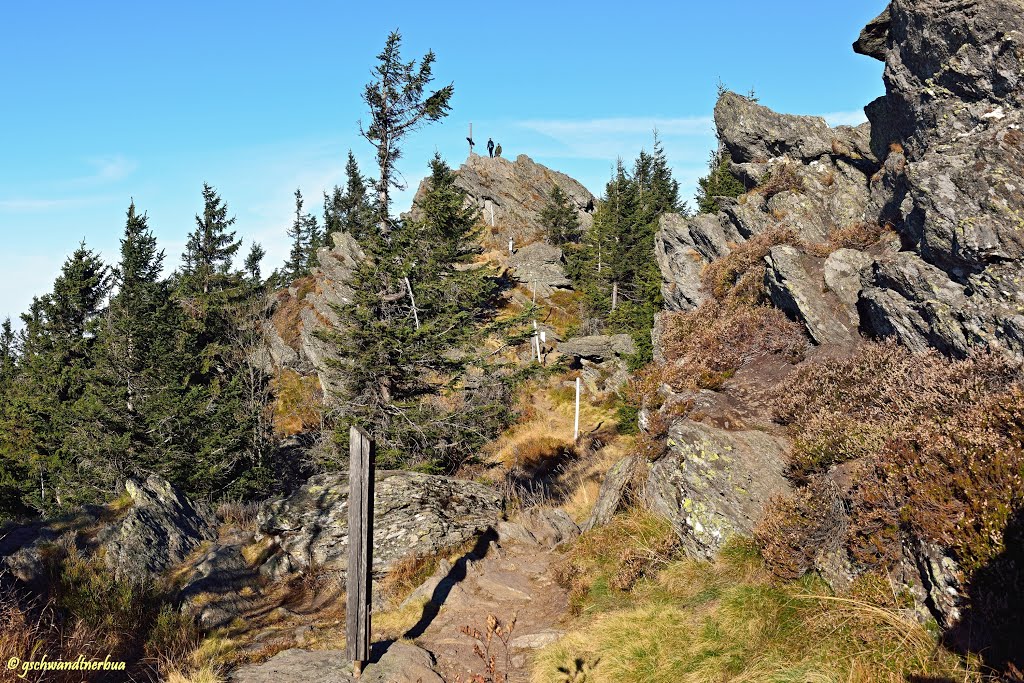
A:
992, 625
457, 574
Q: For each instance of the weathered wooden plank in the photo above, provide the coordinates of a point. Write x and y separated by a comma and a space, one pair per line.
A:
360, 546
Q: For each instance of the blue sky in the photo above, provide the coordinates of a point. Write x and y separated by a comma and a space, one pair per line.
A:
108, 101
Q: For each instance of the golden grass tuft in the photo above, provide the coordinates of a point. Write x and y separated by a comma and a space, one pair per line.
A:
699, 621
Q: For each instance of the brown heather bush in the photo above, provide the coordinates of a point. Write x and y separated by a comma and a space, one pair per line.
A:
938, 443
738, 277
704, 347
782, 178
794, 530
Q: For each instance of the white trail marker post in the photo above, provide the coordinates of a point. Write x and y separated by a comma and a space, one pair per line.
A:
576, 422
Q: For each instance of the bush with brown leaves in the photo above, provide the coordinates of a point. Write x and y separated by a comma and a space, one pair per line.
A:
939, 447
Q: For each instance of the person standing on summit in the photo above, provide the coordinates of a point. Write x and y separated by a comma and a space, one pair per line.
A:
490, 148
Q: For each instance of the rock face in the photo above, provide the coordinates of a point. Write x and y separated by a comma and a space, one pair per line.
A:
413, 513
159, 531
511, 195
539, 265
713, 483
599, 348
306, 310
939, 164
804, 176
951, 125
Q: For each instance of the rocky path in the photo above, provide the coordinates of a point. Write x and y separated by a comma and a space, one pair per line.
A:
510, 585
513, 584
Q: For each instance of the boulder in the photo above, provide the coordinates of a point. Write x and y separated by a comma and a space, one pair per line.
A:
798, 290
161, 529
539, 264
611, 496
843, 271
754, 133
414, 513
400, 663
682, 247
713, 483
599, 348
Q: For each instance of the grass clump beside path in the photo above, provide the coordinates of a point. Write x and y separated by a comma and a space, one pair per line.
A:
730, 620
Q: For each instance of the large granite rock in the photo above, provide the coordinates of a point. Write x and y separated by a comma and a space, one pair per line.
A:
682, 247
599, 347
158, 532
795, 284
539, 265
951, 123
713, 483
754, 133
414, 513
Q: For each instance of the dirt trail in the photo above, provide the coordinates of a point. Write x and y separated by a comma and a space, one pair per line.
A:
514, 581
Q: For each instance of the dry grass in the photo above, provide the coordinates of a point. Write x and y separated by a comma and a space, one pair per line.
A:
287, 317
298, 405
696, 621
545, 429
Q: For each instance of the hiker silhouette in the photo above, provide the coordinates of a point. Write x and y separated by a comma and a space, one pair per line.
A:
497, 150
490, 147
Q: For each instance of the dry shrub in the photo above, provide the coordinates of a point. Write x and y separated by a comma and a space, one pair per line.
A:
704, 347
287, 317
782, 178
299, 403
859, 235
238, 513
939, 446
842, 409
795, 530
739, 275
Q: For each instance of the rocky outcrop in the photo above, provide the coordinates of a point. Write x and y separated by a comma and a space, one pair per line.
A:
805, 177
792, 280
713, 483
400, 663
951, 125
599, 347
414, 513
539, 265
683, 246
158, 532
512, 194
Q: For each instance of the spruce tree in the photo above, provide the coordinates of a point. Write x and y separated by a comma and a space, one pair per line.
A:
418, 314
213, 424
54, 411
297, 264
252, 264
406, 363
399, 105
133, 383
719, 182
560, 219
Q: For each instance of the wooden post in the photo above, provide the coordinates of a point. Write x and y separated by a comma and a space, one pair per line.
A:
360, 548
576, 422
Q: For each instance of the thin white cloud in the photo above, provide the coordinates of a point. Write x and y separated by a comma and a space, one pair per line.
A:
38, 205
108, 169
